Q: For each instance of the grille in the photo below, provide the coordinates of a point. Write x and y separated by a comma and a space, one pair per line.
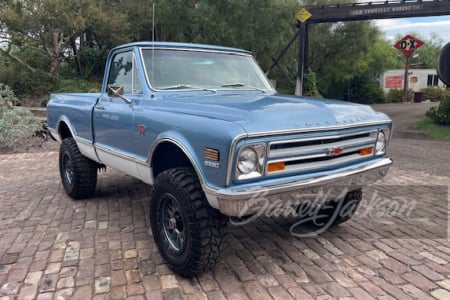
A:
307, 154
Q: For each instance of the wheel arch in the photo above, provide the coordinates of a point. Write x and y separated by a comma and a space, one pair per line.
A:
168, 153
65, 129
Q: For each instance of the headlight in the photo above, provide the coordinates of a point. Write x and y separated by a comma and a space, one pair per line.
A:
382, 141
250, 161
247, 161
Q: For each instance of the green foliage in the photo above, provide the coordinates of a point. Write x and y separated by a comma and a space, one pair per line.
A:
441, 132
366, 91
347, 57
235, 23
310, 84
441, 114
93, 61
17, 125
76, 85
51, 44
396, 95
434, 94
55, 29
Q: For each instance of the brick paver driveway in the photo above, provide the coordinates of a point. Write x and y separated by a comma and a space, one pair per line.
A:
52, 247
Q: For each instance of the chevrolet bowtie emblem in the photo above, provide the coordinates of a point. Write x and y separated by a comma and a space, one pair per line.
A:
335, 151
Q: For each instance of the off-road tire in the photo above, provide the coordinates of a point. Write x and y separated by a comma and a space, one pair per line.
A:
78, 173
188, 232
340, 211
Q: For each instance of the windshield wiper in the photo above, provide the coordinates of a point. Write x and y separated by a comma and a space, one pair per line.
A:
240, 84
177, 87
185, 87
233, 84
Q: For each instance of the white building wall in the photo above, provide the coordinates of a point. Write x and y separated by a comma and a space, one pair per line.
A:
418, 79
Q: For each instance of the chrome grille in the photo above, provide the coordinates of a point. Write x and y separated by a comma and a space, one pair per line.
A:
306, 154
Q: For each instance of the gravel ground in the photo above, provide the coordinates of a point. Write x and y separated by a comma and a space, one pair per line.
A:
413, 149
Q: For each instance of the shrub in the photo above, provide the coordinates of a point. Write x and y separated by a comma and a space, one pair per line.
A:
76, 85
441, 114
17, 125
433, 94
366, 91
7, 97
396, 95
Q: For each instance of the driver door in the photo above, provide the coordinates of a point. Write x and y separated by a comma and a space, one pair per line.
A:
114, 117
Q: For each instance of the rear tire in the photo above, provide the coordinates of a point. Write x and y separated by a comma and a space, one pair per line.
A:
188, 232
78, 173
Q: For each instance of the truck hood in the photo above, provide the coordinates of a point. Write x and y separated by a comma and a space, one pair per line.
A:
262, 112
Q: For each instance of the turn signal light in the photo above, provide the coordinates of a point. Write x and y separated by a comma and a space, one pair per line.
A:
276, 166
212, 154
366, 151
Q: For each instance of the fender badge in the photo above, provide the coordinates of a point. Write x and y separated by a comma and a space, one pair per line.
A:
212, 164
142, 129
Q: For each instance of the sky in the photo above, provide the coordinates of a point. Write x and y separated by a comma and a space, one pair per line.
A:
423, 25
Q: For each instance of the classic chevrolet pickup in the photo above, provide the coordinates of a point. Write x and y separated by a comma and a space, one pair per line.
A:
204, 126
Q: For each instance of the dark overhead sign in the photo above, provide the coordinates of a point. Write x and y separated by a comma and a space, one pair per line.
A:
378, 10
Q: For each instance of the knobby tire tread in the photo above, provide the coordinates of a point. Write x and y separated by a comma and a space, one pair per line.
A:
208, 225
85, 171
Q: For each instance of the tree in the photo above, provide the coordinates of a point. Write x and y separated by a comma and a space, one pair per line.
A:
236, 23
53, 28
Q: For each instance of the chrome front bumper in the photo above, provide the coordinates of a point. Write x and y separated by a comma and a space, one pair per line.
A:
245, 200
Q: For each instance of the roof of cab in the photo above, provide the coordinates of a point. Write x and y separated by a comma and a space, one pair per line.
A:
181, 46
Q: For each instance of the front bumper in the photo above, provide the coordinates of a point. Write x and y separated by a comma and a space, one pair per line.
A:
245, 200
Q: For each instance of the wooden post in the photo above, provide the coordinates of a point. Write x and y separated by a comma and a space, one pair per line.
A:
301, 59
405, 85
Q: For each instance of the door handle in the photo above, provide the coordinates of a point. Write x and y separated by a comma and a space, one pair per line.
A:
98, 107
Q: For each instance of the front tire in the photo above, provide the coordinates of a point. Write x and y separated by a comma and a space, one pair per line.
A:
340, 211
78, 173
188, 232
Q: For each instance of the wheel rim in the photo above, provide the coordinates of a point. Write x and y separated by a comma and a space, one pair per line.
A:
173, 225
68, 171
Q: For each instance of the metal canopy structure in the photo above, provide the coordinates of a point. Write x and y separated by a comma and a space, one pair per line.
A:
356, 12
378, 10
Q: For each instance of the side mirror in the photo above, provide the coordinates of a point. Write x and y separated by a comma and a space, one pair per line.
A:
443, 64
117, 91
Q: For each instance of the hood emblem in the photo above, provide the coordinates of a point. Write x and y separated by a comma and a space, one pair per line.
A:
328, 122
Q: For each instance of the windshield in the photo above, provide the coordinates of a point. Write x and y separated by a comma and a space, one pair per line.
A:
189, 70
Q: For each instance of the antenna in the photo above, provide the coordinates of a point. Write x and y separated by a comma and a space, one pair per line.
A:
153, 48
153, 23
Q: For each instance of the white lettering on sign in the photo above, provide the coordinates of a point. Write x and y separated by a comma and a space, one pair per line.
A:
383, 10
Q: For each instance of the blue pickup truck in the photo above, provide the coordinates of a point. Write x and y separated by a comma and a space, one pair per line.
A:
205, 127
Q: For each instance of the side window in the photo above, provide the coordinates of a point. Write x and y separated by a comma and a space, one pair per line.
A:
124, 72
